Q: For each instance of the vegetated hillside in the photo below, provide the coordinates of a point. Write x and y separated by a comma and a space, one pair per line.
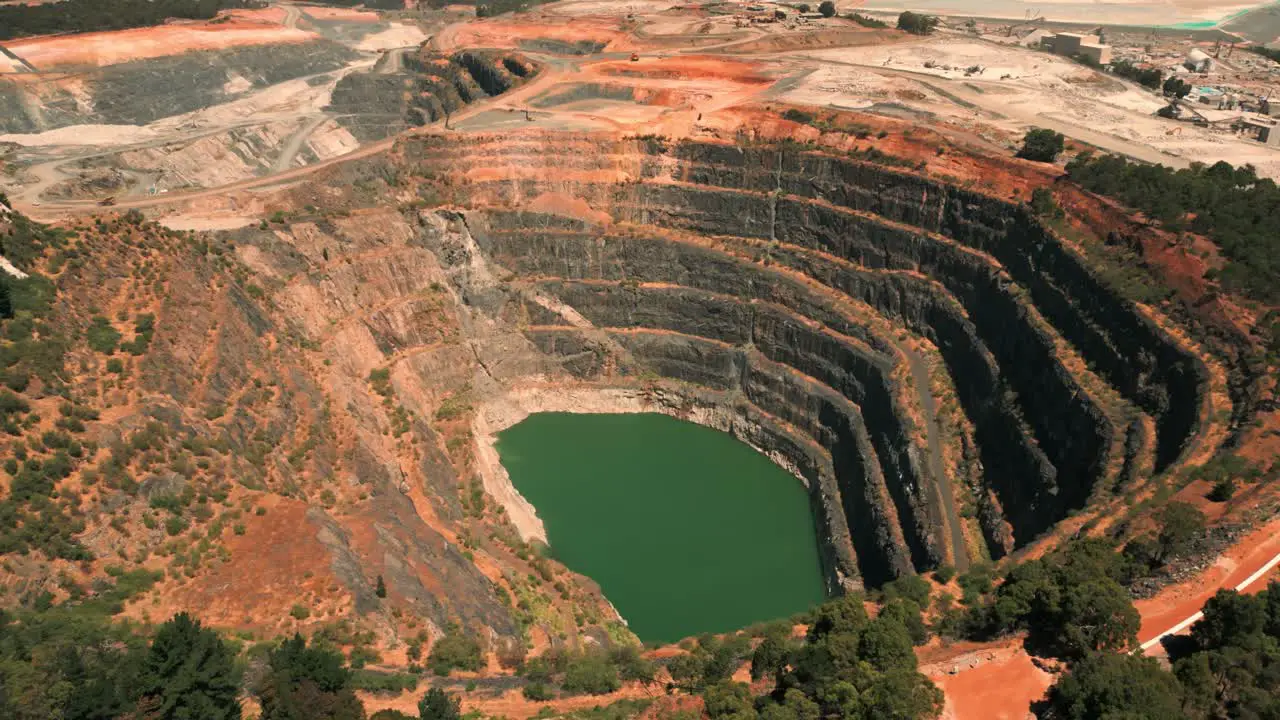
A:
72, 16
1237, 210
159, 418
171, 450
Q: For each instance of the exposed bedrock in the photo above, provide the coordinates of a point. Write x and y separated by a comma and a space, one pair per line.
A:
1135, 356
740, 269
1017, 469
833, 449
857, 373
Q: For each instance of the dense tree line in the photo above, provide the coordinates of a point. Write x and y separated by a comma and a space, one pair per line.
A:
70, 16
73, 662
1149, 77
1233, 207
1074, 601
1266, 52
867, 21
1229, 668
917, 23
847, 666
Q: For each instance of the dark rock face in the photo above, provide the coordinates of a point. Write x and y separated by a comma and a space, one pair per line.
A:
726, 267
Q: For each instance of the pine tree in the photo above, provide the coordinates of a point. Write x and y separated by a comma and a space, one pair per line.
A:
381, 590
438, 705
191, 673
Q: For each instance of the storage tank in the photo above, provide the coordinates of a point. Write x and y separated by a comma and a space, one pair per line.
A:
1197, 61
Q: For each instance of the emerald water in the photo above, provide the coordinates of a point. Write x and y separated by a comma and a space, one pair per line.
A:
685, 529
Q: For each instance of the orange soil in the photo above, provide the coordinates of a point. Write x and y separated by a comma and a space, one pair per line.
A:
343, 14
272, 15
559, 204
1001, 686
1178, 602
508, 34
108, 48
279, 561
685, 67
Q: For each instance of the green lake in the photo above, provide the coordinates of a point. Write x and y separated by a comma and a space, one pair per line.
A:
685, 529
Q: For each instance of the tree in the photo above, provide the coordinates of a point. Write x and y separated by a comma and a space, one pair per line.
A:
916, 23
439, 705
1112, 685
844, 615
381, 589
307, 683
590, 674
769, 658
727, 698
1097, 616
827, 8
1180, 524
1043, 204
1041, 145
1176, 87
685, 671
911, 587
455, 649
191, 673
631, 665
1230, 619
886, 644
909, 615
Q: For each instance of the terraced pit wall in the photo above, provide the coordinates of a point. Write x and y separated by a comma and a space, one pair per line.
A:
430, 88
751, 272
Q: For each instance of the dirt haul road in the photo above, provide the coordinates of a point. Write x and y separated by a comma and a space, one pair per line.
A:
1245, 567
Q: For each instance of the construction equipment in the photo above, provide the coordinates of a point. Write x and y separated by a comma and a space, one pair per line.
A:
635, 57
107, 201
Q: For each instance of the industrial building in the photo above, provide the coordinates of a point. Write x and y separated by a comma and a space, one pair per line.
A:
1265, 130
1089, 47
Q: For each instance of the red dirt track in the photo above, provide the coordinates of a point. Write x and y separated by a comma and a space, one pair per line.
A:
1178, 602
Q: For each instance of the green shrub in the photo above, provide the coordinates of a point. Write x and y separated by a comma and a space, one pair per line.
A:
1041, 145
102, 337
455, 651
383, 682
590, 674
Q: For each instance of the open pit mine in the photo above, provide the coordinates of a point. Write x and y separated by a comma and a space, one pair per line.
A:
272, 308
766, 283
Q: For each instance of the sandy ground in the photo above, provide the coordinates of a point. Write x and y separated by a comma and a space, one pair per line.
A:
1136, 12
508, 33
110, 48
398, 35
994, 682
1012, 88
334, 14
